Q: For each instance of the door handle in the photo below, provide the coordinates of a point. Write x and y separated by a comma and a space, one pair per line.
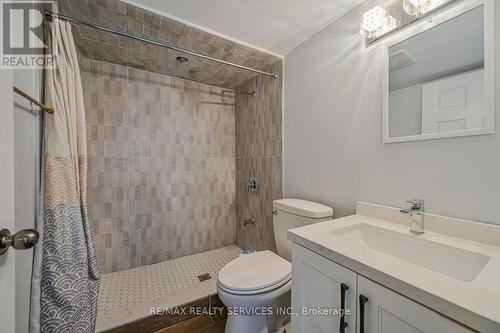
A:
343, 288
21, 240
362, 302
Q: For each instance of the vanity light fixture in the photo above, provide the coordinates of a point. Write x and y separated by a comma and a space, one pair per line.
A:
390, 15
420, 7
377, 22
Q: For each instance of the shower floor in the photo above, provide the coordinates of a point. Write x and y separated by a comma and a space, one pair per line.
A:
127, 296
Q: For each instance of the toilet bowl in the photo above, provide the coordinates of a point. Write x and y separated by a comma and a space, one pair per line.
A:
253, 295
256, 287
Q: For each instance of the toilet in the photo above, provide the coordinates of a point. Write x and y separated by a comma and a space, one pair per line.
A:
252, 286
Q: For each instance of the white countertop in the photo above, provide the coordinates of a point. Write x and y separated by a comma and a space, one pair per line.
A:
475, 304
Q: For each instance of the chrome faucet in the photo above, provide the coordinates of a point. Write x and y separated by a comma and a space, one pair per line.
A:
416, 209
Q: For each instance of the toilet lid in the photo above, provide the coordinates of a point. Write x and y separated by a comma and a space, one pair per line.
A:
259, 270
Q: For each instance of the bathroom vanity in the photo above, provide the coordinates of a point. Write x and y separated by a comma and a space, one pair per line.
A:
393, 281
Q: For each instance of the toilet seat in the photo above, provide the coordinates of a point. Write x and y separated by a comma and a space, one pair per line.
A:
256, 273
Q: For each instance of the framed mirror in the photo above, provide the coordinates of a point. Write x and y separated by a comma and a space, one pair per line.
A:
440, 76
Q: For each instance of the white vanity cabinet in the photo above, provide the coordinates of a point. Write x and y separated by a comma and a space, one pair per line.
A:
374, 308
388, 312
317, 283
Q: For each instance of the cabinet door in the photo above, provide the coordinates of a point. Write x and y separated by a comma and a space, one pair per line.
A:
316, 284
389, 312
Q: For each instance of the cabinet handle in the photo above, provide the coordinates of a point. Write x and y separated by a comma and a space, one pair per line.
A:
343, 288
362, 302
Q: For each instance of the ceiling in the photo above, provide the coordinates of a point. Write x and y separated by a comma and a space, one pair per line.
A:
450, 48
276, 26
114, 14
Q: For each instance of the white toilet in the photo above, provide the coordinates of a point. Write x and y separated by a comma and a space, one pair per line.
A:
253, 284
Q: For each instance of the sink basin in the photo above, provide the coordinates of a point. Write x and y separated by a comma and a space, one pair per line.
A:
456, 263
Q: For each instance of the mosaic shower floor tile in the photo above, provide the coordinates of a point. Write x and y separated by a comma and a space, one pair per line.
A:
127, 296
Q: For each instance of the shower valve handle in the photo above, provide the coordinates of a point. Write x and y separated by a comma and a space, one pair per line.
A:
249, 221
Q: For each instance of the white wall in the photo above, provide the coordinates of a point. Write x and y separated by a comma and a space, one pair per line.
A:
333, 150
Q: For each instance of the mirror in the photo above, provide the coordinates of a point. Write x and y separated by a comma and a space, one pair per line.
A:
438, 84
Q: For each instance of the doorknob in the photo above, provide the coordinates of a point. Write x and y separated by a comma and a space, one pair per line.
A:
21, 240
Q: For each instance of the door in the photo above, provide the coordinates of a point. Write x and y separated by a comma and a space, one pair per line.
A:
19, 151
26, 183
454, 104
318, 284
388, 312
7, 262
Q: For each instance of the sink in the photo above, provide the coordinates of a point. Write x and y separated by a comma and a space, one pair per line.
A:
456, 263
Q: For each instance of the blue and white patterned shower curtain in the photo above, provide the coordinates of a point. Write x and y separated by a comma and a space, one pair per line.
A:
66, 278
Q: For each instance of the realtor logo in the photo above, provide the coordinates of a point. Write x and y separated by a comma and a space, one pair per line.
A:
22, 44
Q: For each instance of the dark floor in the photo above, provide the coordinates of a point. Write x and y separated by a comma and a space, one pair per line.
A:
197, 325
180, 323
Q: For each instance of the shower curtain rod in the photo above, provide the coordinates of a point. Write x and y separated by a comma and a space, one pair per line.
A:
153, 42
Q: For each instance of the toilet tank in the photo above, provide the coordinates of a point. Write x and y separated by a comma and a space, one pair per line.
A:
293, 213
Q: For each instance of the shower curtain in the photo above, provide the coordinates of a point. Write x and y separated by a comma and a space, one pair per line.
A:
65, 278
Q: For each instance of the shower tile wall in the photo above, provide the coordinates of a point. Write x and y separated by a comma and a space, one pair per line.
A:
258, 154
161, 166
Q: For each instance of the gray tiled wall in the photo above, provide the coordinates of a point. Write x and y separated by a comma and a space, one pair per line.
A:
161, 166
259, 154
168, 162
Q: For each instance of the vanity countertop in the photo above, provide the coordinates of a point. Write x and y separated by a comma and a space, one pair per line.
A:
470, 295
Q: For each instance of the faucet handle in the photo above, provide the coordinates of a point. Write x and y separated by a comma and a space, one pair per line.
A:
412, 205
418, 204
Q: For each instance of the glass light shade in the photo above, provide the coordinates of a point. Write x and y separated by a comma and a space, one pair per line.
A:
420, 7
377, 22
390, 15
